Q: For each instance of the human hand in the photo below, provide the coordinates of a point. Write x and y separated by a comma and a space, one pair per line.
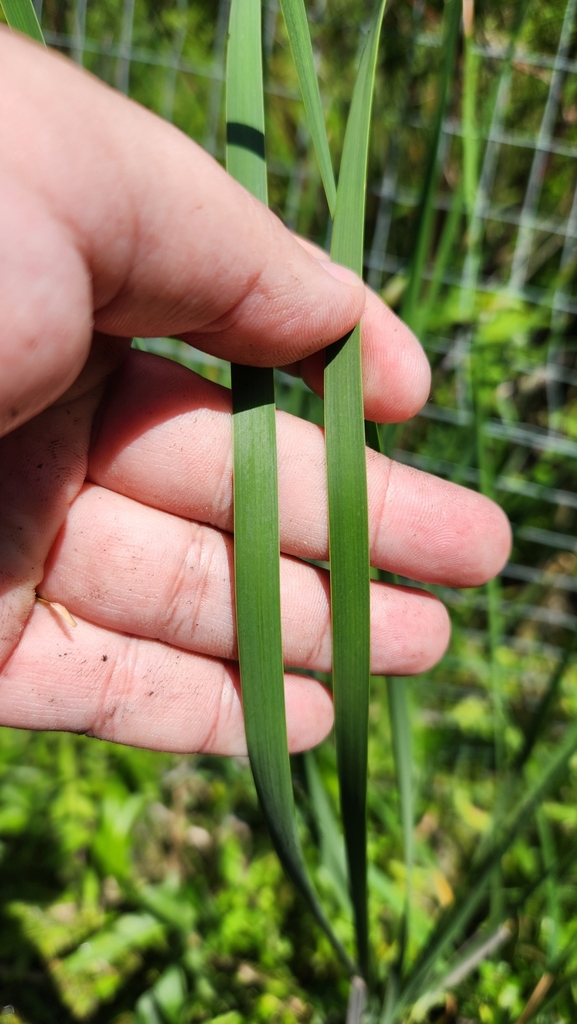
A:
116, 479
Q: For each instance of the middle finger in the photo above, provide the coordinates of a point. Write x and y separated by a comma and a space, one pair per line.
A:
165, 439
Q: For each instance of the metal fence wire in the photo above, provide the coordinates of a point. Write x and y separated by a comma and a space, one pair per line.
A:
519, 269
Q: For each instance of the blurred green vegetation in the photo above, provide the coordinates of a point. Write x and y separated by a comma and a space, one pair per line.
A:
140, 887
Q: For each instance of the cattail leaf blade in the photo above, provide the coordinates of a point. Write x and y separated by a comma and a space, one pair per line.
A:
349, 561
257, 594
403, 755
245, 150
348, 506
21, 16
295, 17
256, 517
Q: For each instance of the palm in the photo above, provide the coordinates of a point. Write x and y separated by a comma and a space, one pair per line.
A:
130, 531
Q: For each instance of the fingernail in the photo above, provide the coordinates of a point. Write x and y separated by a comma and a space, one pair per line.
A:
340, 273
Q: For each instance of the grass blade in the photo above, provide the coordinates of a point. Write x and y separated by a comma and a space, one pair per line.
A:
540, 718
295, 17
409, 308
473, 889
21, 16
474, 957
470, 134
471, 956
403, 754
443, 255
256, 520
245, 152
551, 884
486, 172
348, 512
494, 621
332, 847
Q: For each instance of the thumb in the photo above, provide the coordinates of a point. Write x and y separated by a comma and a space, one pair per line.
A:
159, 239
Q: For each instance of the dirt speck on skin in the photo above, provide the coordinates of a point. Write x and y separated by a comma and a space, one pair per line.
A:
105, 657
151, 693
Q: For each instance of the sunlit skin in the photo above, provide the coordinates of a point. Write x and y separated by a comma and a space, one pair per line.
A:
115, 465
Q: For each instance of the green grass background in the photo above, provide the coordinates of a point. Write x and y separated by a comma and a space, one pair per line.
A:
140, 887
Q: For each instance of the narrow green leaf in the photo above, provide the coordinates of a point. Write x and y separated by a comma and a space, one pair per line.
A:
409, 308
540, 718
403, 754
494, 620
295, 17
245, 152
470, 132
388, 1011
256, 518
550, 863
444, 253
348, 508
475, 953
331, 840
493, 112
21, 16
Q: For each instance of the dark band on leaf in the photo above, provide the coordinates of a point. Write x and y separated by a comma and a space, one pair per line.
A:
253, 386
332, 350
245, 137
